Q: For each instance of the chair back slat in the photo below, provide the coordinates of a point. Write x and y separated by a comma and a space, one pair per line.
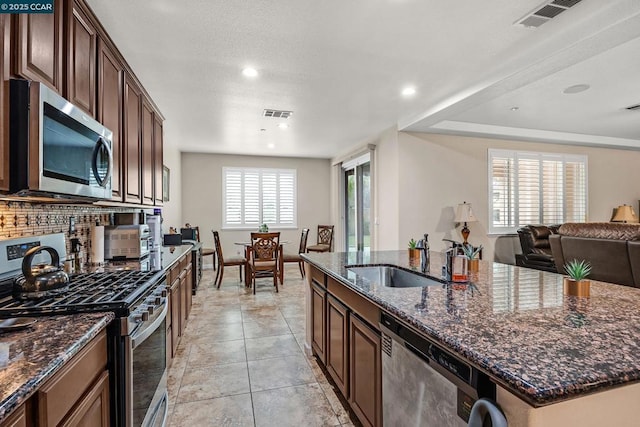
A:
216, 239
265, 246
325, 234
303, 241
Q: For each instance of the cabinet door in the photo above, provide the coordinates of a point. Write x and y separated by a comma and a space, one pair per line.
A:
4, 106
81, 60
185, 286
365, 393
39, 46
175, 316
93, 409
338, 343
17, 419
189, 287
318, 320
110, 72
132, 141
158, 159
148, 160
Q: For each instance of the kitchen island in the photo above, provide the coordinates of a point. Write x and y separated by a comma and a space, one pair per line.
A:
557, 359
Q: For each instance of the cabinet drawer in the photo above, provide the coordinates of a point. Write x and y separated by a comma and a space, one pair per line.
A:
365, 308
318, 276
61, 393
17, 419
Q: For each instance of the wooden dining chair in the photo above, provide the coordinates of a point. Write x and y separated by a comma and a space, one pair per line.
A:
264, 257
222, 263
325, 239
287, 257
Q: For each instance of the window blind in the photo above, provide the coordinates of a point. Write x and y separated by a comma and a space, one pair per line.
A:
535, 188
252, 197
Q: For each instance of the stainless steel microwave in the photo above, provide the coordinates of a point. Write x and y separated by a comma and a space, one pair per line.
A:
56, 150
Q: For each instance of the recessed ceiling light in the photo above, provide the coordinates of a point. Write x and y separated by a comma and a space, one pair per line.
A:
271, 145
283, 125
576, 88
408, 91
250, 72
515, 108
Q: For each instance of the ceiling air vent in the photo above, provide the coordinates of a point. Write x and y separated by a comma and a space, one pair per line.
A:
277, 114
633, 107
545, 12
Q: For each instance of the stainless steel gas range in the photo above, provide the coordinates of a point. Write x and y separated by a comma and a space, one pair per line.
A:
137, 338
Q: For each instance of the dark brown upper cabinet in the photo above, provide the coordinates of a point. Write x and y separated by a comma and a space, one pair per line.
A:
39, 46
132, 141
4, 128
148, 160
110, 74
81, 59
159, 160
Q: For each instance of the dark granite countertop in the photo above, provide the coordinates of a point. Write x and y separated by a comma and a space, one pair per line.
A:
29, 357
514, 323
158, 260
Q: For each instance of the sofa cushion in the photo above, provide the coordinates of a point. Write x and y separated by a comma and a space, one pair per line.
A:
601, 230
609, 258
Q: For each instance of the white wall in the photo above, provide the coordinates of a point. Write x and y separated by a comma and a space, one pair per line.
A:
172, 210
202, 195
387, 191
433, 173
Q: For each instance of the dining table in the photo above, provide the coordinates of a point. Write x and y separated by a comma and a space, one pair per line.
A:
247, 255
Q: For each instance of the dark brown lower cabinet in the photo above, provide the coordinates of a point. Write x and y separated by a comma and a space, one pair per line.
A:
175, 315
365, 396
93, 410
348, 345
318, 319
17, 419
338, 343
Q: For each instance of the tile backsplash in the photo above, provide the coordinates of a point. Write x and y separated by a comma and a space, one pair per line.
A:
23, 219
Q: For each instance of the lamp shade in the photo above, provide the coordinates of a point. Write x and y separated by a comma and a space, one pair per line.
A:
464, 213
624, 213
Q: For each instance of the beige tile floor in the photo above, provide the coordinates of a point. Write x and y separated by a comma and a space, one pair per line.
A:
241, 361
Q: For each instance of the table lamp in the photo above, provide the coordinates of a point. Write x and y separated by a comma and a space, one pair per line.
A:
624, 213
465, 214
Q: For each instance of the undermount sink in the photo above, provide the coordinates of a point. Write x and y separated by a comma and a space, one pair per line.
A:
394, 277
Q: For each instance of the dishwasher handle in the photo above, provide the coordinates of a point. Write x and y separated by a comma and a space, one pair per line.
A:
483, 407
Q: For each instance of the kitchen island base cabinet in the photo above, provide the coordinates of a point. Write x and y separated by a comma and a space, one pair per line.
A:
615, 407
365, 395
338, 343
347, 345
318, 298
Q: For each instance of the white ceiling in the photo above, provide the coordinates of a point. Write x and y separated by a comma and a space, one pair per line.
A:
340, 66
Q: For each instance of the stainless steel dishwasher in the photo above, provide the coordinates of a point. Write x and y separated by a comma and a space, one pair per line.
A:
424, 385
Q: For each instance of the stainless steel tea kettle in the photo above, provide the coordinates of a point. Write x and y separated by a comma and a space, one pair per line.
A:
41, 280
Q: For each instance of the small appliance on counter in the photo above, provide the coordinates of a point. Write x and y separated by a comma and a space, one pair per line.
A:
155, 230
126, 242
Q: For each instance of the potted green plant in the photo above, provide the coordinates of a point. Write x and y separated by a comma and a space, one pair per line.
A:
414, 253
471, 254
577, 284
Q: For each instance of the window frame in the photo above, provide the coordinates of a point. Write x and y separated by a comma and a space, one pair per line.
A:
272, 226
540, 156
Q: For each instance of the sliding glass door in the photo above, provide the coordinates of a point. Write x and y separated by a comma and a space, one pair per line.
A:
357, 204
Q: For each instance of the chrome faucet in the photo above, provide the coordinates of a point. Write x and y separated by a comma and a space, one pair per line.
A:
425, 262
447, 268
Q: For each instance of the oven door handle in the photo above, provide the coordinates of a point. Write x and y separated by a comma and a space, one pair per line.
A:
143, 333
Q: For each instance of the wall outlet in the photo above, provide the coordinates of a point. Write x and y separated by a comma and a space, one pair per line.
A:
72, 225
